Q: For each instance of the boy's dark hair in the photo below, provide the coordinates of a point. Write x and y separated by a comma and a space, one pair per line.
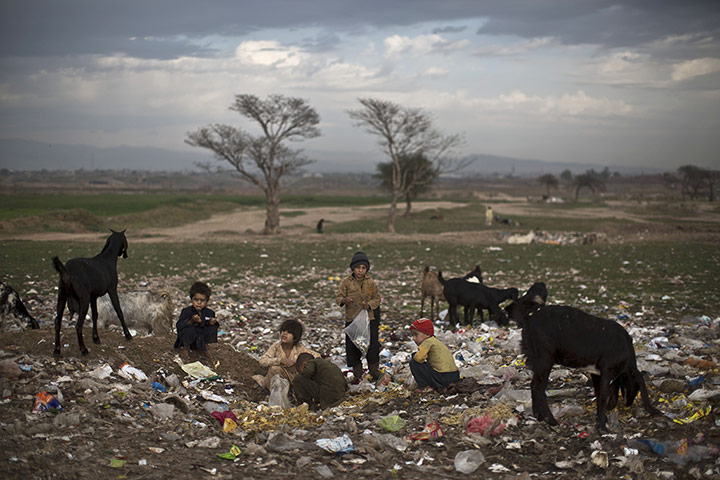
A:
302, 358
294, 327
201, 288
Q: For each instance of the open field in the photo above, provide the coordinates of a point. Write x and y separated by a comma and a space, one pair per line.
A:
652, 265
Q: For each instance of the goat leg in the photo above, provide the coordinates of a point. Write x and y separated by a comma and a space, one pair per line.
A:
540, 407
422, 304
93, 307
58, 323
116, 305
79, 328
602, 401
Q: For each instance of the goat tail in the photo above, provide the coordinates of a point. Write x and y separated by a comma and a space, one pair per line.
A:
59, 266
64, 274
440, 277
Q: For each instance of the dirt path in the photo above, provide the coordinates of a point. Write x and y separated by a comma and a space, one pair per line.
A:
244, 221
298, 223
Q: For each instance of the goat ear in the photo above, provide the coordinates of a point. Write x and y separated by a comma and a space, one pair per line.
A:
124, 231
112, 231
538, 299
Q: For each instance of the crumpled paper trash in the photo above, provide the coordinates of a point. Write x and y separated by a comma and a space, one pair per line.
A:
336, 445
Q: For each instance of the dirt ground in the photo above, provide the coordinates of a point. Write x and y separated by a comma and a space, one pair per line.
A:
108, 428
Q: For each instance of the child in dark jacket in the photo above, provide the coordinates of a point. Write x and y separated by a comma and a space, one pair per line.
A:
318, 382
432, 366
197, 326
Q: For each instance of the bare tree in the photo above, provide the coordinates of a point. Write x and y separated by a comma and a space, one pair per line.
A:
410, 164
405, 132
693, 180
263, 159
549, 181
591, 180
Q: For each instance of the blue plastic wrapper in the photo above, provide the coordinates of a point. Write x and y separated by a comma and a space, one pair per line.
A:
159, 387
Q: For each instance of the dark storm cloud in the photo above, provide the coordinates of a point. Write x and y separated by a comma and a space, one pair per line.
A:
169, 28
610, 24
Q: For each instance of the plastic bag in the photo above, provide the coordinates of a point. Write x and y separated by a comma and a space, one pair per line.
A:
131, 373
359, 331
279, 388
45, 402
468, 461
392, 423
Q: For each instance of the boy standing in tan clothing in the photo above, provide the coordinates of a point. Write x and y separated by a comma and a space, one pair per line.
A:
358, 292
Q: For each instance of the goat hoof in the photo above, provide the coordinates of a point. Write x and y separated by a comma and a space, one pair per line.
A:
128, 336
96, 340
56, 354
85, 352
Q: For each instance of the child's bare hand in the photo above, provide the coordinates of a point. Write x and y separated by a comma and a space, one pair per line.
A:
347, 300
196, 318
212, 321
287, 362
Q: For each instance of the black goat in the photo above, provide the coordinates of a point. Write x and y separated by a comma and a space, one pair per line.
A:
572, 338
83, 280
471, 295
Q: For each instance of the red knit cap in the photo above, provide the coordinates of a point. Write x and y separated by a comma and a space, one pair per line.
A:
423, 325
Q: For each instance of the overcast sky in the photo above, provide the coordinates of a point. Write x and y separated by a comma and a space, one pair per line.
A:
614, 83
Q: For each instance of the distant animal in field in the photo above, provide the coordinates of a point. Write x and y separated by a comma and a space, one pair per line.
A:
82, 281
431, 287
150, 311
13, 314
567, 336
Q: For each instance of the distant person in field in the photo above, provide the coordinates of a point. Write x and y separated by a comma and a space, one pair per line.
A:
197, 326
320, 225
488, 216
358, 292
318, 382
281, 357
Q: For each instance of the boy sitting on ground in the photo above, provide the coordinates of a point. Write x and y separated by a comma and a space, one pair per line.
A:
432, 366
281, 357
197, 326
319, 382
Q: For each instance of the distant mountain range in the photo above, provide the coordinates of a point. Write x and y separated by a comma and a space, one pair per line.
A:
16, 154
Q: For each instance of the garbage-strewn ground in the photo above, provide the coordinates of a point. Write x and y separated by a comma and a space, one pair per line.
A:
116, 427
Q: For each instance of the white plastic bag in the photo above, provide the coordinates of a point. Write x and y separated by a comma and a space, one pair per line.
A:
359, 331
131, 373
279, 388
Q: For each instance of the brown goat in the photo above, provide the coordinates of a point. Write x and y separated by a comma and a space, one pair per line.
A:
431, 287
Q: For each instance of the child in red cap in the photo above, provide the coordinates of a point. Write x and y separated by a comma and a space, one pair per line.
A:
432, 366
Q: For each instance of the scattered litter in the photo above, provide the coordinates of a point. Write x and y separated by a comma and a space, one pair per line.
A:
131, 373
336, 445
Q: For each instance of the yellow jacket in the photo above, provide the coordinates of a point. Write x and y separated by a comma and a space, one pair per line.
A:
437, 354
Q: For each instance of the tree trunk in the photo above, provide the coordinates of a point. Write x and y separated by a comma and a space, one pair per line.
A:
391, 215
272, 220
408, 205
577, 192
